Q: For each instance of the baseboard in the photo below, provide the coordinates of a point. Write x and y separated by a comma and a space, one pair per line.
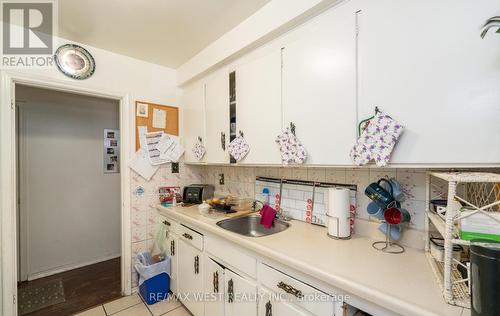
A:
57, 270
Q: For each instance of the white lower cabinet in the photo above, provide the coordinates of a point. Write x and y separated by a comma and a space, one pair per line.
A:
270, 305
190, 270
213, 281
171, 244
241, 295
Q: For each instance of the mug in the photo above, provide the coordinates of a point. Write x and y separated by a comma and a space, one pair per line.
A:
374, 210
395, 231
379, 195
396, 215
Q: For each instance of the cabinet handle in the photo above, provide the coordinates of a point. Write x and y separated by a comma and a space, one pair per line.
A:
196, 264
292, 128
290, 289
223, 140
230, 291
187, 236
241, 134
269, 309
172, 248
167, 223
216, 282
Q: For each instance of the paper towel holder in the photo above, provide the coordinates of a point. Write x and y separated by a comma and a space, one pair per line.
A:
337, 221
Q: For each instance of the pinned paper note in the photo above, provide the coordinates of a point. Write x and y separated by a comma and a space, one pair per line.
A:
159, 118
170, 148
141, 164
142, 130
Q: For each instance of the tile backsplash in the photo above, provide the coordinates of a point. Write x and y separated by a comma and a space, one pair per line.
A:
240, 181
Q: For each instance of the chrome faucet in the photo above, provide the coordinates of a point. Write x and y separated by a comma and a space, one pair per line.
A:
281, 215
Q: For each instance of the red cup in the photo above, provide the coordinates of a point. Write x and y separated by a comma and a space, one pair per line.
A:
392, 216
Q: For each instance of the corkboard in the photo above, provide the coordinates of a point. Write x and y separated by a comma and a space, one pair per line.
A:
172, 126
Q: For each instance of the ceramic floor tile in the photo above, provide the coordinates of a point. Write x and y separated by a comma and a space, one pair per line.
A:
136, 310
181, 311
122, 303
164, 307
96, 311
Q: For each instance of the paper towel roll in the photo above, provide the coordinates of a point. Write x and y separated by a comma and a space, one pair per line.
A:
339, 202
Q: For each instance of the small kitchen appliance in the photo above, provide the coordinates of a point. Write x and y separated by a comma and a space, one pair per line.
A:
197, 193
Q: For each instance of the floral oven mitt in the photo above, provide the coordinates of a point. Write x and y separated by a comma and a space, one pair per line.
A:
292, 150
238, 148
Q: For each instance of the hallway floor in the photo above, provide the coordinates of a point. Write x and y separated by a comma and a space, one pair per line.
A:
83, 288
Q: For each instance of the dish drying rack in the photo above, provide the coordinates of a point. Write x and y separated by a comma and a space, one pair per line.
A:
478, 190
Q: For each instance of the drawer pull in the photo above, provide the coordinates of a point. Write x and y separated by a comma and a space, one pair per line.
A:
172, 248
196, 264
269, 309
230, 291
216, 282
290, 289
167, 223
187, 236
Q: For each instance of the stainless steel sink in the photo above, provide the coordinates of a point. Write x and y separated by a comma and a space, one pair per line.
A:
250, 226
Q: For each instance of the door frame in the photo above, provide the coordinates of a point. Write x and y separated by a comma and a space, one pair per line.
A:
8, 181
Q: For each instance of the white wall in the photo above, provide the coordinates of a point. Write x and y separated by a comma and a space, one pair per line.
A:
70, 209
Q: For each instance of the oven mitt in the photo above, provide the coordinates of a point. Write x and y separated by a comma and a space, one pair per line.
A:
238, 148
292, 150
377, 141
199, 150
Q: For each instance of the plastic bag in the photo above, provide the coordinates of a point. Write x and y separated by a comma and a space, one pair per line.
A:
159, 248
147, 269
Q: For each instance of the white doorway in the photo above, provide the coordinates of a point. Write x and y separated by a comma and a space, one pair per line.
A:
9, 183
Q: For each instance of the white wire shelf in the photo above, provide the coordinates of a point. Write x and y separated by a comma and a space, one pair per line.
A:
461, 296
467, 177
438, 222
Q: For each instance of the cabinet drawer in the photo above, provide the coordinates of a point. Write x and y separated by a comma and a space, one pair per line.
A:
190, 236
232, 255
299, 293
172, 226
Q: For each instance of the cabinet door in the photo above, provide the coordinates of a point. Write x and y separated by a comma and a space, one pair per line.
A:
217, 116
269, 306
241, 296
258, 106
319, 85
425, 64
214, 287
193, 118
172, 251
190, 277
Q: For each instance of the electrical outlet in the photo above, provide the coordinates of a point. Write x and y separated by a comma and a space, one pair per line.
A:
221, 178
175, 167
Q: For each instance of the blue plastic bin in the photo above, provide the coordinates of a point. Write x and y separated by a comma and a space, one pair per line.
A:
154, 278
155, 289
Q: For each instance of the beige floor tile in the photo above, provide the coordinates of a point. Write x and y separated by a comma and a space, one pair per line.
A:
121, 304
163, 307
181, 311
96, 311
136, 310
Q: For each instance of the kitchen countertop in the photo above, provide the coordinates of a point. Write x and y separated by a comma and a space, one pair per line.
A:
403, 283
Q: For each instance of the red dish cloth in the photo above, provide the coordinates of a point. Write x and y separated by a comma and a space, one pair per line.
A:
267, 214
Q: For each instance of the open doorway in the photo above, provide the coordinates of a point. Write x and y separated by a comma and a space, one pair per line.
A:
69, 201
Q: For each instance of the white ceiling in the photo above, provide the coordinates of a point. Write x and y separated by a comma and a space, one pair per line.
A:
165, 32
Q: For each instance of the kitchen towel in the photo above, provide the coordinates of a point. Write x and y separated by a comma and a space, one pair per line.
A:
267, 215
238, 148
199, 150
339, 212
292, 150
377, 141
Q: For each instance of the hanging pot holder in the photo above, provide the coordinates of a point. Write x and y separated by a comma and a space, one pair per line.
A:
199, 150
292, 150
238, 148
377, 141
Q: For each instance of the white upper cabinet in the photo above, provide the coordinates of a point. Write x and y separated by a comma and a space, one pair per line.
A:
319, 85
424, 63
217, 116
193, 118
258, 105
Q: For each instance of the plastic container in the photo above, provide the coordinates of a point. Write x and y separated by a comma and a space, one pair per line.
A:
154, 278
480, 226
485, 277
437, 249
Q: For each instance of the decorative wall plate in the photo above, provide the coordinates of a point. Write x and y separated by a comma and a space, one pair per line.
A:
74, 61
